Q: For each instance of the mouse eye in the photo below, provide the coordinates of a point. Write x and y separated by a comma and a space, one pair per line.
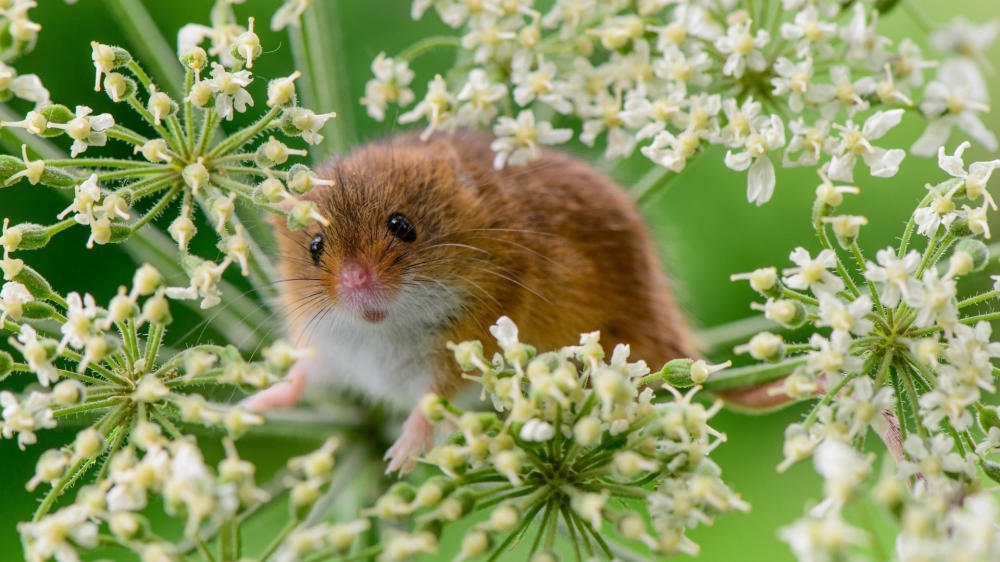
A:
316, 248
402, 228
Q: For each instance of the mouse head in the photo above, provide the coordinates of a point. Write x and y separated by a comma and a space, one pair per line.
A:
401, 215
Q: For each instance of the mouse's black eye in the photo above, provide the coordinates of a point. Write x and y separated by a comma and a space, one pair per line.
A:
402, 228
316, 248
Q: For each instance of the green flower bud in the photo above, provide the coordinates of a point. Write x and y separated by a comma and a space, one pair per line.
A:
38, 310
33, 236
6, 364
35, 283
195, 60
977, 250
404, 490
120, 87
465, 352
987, 417
56, 114
991, 469
457, 505
120, 233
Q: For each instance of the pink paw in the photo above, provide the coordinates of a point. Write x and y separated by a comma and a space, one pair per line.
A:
418, 434
284, 394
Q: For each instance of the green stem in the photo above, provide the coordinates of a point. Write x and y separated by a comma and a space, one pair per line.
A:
978, 298
814, 414
429, 44
862, 267
127, 135
652, 183
210, 120
153, 341
88, 407
97, 163
911, 394
239, 138
908, 232
278, 540
162, 204
754, 375
174, 142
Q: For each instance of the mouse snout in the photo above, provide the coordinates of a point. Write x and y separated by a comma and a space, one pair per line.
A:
355, 276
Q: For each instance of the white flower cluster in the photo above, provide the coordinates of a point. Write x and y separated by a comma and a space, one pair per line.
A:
893, 343
675, 77
570, 441
184, 162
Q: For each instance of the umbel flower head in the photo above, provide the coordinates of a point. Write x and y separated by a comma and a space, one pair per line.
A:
577, 434
894, 349
809, 84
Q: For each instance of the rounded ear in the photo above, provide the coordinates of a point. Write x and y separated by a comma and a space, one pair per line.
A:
447, 155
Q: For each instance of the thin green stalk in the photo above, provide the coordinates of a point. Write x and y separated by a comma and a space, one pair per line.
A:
87, 407
127, 135
278, 540
188, 111
157, 414
118, 174
908, 231
241, 137
98, 163
546, 517
160, 206
862, 267
911, 394
814, 414
149, 43
825, 241
527, 520
572, 531
429, 44
753, 375
171, 139
900, 412
59, 487
145, 188
652, 183
210, 120
978, 298
153, 341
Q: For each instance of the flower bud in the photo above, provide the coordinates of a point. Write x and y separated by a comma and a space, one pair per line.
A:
50, 468
544, 556
765, 346
763, 280
302, 180
281, 91
304, 214
88, 444
587, 431
303, 495
465, 352
107, 58
25, 236
156, 309
433, 491
976, 254
151, 389
124, 525
195, 60
270, 190
432, 407
987, 416
119, 87
196, 176
342, 535
631, 527
846, 228
7, 365
537, 430
247, 47
476, 543
787, 312
504, 518
160, 105
274, 153
458, 505
147, 280
991, 469
182, 230
201, 94
34, 283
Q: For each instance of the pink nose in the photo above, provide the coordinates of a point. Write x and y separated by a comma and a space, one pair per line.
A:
355, 276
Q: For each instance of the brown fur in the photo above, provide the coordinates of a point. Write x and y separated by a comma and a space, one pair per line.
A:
555, 245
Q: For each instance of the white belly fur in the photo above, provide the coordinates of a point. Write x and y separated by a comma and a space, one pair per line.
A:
384, 362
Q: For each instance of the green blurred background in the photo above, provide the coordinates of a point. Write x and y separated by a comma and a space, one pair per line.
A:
702, 222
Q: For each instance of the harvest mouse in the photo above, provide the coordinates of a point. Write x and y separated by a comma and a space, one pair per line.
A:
429, 244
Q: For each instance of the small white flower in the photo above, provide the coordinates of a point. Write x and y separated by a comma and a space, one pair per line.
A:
518, 141
833, 357
964, 38
438, 107
390, 85
856, 141
25, 419
795, 81
812, 273
895, 275
672, 152
938, 303
811, 33
478, 99
540, 83
290, 13
975, 179
85, 130
862, 407
204, 284
954, 99
230, 89
743, 49
834, 313
850, 95
13, 297
768, 135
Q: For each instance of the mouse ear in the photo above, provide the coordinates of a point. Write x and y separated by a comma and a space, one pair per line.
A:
447, 155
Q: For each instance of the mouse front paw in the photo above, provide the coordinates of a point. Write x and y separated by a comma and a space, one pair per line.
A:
418, 434
284, 394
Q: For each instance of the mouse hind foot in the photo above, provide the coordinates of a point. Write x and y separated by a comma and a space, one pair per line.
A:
418, 435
